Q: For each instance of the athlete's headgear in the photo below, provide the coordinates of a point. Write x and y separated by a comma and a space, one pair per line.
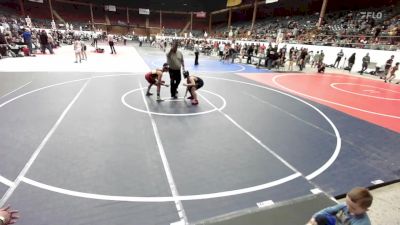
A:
165, 66
185, 74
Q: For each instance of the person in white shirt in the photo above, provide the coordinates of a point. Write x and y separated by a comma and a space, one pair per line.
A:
77, 49
110, 38
95, 38
221, 48
196, 53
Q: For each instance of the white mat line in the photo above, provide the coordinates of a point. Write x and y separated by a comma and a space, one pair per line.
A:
15, 90
28, 165
167, 168
291, 115
254, 138
6, 181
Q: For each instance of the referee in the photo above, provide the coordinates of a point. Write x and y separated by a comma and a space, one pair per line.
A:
175, 62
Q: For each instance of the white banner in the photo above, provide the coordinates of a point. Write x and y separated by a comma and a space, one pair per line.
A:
373, 15
144, 11
110, 8
201, 14
270, 1
38, 1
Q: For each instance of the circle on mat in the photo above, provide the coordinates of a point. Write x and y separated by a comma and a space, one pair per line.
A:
371, 90
275, 78
186, 197
139, 91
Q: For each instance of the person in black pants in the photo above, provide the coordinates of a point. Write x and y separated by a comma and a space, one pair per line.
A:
250, 53
175, 62
338, 59
193, 83
111, 43
95, 38
352, 59
365, 62
196, 53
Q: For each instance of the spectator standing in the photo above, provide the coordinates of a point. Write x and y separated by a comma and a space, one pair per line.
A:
51, 40
250, 51
309, 56
292, 59
3, 45
27, 36
388, 65
302, 61
83, 51
196, 53
338, 58
365, 62
392, 73
77, 50
221, 48
95, 39
291, 51
321, 57
44, 42
140, 41
316, 59
352, 59
110, 39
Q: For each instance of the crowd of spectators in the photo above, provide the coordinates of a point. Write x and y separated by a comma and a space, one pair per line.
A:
355, 29
279, 57
368, 28
19, 39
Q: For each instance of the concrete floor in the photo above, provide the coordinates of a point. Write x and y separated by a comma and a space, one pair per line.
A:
385, 209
